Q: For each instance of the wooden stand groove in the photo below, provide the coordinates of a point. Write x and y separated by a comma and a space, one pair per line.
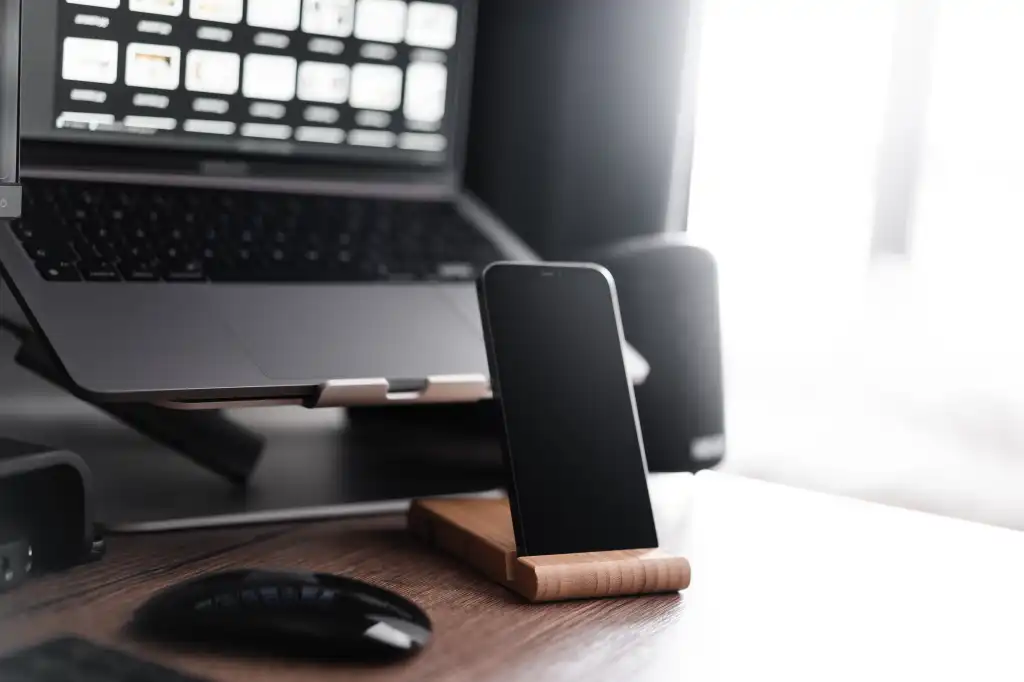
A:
479, 531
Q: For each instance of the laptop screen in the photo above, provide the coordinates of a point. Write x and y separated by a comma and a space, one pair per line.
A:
329, 79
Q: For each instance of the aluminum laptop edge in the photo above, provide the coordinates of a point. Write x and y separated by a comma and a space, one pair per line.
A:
211, 344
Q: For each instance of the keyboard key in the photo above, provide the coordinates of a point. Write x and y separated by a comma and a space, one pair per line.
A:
139, 253
99, 271
22, 231
186, 271
58, 271
138, 272
40, 250
106, 232
83, 247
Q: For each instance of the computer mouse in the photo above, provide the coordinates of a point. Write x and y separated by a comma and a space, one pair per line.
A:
310, 615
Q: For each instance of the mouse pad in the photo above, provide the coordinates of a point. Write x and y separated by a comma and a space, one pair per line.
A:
70, 659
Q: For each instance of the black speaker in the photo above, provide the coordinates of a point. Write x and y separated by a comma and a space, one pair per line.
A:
576, 125
668, 295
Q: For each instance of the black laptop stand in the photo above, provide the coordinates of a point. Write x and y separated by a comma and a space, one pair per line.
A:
207, 437
232, 451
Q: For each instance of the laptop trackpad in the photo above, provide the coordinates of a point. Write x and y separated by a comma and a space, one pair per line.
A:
316, 333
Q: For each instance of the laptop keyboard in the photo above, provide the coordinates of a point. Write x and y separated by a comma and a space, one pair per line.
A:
100, 232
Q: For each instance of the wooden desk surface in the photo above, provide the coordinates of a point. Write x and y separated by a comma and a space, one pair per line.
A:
483, 631
787, 584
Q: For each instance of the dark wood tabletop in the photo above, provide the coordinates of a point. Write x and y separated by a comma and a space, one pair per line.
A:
786, 584
483, 631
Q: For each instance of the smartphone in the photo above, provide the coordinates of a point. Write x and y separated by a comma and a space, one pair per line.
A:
574, 456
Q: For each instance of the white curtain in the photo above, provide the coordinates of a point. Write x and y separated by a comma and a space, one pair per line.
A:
790, 100
869, 375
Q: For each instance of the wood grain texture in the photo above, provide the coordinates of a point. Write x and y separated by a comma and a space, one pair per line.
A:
482, 631
791, 584
600, 574
479, 532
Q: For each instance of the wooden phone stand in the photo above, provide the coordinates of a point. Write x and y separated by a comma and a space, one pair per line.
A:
479, 531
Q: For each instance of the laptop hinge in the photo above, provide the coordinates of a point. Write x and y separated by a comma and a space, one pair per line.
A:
461, 388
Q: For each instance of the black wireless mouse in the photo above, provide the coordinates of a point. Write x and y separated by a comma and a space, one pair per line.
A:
308, 615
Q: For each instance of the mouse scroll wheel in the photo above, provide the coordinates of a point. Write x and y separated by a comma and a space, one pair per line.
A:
266, 595
284, 594
296, 593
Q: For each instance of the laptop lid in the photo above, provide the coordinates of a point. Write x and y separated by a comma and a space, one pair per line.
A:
10, 53
248, 89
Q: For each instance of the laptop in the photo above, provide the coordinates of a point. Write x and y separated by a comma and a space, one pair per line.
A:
253, 200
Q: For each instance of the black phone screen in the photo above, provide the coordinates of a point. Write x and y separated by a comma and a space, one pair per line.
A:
572, 442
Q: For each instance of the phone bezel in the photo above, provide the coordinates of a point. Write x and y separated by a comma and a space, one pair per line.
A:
552, 269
